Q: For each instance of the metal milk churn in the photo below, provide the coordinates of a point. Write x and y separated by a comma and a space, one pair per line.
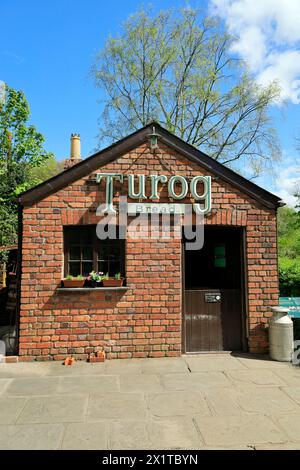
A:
281, 336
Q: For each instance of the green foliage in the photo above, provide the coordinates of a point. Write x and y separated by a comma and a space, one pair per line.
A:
96, 276
289, 277
8, 227
21, 153
21, 146
288, 233
46, 170
176, 68
289, 251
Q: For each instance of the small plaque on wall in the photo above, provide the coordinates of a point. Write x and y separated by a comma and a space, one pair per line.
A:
212, 297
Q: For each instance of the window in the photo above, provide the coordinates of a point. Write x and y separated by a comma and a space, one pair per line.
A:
220, 256
84, 252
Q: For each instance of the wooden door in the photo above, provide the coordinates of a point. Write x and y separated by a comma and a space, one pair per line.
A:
203, 323
213, 316
213, 320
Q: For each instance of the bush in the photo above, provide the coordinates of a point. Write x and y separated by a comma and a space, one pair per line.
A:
289, 277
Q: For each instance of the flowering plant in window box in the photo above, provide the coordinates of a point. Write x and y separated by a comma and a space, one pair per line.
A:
71, 281
95, 279
116, 281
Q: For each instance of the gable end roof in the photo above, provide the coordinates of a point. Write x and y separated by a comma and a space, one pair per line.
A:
123, 146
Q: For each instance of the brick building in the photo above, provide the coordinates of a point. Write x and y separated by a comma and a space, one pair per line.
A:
173, 300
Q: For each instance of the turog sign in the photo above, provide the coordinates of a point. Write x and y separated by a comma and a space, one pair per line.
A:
199, 187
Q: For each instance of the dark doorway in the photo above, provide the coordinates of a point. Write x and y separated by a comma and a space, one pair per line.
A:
214, 292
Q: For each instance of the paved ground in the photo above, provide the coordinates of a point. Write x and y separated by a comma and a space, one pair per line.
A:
194, 402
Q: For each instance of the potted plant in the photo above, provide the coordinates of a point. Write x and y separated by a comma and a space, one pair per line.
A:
71, 281
95, 279
116, 281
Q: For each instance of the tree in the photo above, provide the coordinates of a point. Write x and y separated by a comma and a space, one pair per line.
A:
177, 70
289, 251
297, 191
21, 150
46, 170
288, 233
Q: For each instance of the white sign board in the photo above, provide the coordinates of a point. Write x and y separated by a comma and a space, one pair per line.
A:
134, 208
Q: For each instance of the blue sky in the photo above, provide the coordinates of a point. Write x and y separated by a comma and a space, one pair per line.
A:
47, 48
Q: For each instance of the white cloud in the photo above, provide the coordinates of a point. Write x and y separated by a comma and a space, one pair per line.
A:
287, 183
268, 39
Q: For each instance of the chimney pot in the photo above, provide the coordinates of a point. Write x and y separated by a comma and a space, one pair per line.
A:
75, 147
75, 152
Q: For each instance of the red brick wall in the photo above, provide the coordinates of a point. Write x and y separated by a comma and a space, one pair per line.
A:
144, 320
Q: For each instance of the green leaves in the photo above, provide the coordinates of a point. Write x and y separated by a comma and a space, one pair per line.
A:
289, 277
289, 251
8, 227
21, 150
21, 146
176, 68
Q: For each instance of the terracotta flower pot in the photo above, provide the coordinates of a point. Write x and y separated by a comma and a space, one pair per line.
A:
112, 282
73, 282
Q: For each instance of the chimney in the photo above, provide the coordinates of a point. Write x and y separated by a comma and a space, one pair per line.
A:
75, 152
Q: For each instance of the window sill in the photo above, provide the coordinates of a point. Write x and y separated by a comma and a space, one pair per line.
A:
90, 289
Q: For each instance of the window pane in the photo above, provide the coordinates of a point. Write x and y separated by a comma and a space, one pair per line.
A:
103, 266
86, 236
108, 250
114, 267
87, 253
103, 251
74, 268
87, 267
115, 248
75, 253
220, 256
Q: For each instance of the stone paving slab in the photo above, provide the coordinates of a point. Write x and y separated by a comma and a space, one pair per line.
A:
238, 430
293, 392
172, 433
54, 409
260, 362
195, 381
236, 447
287, 446
290, 423
31, 437
4, 384
290, 375
89, 384
140, 383
209, 362
222, 402
255, 377
177, 404
77, 369
116, 406
23, 369
264, 400
164, 365
123, 367
85, 436
29, 386
10, 408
